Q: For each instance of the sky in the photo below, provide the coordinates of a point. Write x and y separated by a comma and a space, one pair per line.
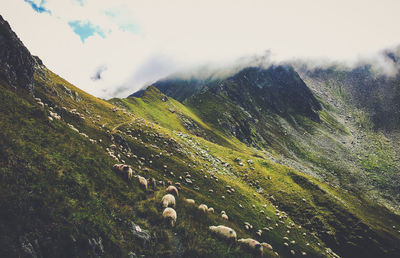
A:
111, 48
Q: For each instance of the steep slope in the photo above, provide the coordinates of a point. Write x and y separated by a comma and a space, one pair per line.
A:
377, 93
336, 136
171, 114
286, 188
365, 103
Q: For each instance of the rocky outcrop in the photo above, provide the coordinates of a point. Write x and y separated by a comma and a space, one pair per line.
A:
16, 62
278, 89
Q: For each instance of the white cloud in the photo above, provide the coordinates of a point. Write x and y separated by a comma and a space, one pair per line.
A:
146, 40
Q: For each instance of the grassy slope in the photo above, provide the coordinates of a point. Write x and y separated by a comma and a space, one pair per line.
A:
327, 210
57, 186
151, 107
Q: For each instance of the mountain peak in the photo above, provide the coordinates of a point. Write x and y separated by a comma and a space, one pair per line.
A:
277, 88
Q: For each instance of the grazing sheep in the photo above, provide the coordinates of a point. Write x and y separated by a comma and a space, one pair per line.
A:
247, 225
203, 207
224, 216
190, 201
142, 182
125, 169
224, 232
210, 210
168, 200
266, 246
173, 190
169, 215
251, 244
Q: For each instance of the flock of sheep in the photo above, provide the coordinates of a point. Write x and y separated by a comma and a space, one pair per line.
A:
168, 203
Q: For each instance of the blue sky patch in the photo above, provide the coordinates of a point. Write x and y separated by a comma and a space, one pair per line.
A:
123, 19
85, 29
38, 6
81, 2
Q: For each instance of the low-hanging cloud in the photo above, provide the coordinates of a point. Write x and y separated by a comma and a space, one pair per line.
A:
197, 34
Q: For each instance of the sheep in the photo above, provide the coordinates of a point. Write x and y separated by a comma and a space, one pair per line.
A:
251, 244
173, 190
168, 200
170, 216
142, 182
127, 170
190, 201
224, 232
266, 246
210, 210
224, 216
203, 207
247, 225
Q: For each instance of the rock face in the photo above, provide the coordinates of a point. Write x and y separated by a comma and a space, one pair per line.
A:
16, 62
278, 89
377, 93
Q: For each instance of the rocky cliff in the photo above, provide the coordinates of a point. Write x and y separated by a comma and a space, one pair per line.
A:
16, 62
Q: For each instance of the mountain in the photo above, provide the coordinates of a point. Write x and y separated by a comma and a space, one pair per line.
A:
266, 159
336, 123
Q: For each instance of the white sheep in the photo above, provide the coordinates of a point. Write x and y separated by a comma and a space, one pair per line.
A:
143, 182
190, 201
224, 216
170, 216
173, 190
203, 207
251, 244
168, 200
224, 232
125, 169
210, 210
266, 246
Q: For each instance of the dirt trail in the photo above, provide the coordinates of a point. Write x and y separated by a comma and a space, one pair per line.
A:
121, 124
